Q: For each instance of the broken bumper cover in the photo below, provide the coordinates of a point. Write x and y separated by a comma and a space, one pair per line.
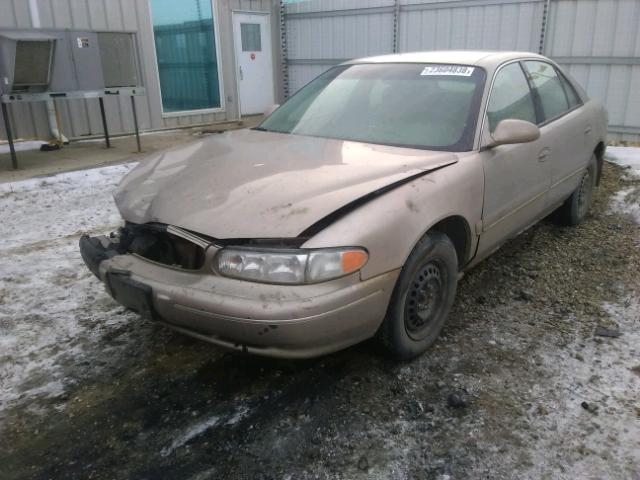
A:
274, 320
93, 252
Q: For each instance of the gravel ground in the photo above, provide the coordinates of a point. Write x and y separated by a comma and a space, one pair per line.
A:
522, 383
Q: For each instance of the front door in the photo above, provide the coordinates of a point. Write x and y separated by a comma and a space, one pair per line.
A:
252, 40
517, 177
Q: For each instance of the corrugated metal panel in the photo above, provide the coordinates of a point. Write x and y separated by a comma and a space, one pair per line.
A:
496, 26
29, 118
300, 75
307, 6
322, 33
340, 37
598, 42
319, 41
82, 117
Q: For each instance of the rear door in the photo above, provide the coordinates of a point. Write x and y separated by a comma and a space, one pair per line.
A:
517, 177
564, 127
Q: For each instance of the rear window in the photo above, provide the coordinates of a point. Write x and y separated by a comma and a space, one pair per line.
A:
572, 96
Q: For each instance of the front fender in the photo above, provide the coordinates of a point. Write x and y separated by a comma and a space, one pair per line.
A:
390, 225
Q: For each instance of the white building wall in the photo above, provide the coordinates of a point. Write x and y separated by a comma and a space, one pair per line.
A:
80, 117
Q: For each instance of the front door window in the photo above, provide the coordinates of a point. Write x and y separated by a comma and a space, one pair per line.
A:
510, 97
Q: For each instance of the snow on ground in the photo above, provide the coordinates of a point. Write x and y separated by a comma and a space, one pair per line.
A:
201, 426
597, 373
47, 297
625, 156
628, 199
530, 372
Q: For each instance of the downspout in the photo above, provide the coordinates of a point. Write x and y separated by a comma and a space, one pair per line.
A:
53, 122
51, 107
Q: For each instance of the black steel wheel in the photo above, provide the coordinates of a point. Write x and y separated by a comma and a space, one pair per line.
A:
585, 194
575, 209
422, 297
425, 299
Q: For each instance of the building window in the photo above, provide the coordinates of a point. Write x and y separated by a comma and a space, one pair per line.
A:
250, 33
186, 54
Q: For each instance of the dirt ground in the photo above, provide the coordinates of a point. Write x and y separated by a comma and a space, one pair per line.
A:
521, 384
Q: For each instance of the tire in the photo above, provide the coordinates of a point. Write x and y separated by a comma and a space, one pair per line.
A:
422, 298
575, 208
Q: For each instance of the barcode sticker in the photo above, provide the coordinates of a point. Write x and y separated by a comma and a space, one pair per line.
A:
456, 70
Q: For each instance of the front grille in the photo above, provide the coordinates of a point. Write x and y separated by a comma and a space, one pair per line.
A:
154, 242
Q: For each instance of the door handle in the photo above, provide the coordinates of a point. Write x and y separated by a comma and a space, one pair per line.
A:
587, 130
241, 73
544, 153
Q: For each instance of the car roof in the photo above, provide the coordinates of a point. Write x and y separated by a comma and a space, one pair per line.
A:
482, 58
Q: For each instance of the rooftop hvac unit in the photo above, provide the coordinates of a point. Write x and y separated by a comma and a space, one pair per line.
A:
34, 61
25, 61
118, 59
41, 65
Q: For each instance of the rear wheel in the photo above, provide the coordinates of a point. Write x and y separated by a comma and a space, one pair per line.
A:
422, 297
577, 206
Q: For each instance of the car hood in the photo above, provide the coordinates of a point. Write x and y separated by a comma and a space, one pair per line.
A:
256, 184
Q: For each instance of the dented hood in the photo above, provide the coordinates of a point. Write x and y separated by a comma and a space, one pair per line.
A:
255, 184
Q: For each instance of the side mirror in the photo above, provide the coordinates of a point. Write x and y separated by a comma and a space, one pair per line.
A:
271, 109
510, 131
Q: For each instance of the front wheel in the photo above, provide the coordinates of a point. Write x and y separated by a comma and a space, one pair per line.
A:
576, 207
422, 297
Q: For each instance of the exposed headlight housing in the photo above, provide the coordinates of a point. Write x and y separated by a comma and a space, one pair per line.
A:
289, 266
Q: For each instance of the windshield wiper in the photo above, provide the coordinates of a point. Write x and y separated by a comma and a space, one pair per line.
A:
260, 129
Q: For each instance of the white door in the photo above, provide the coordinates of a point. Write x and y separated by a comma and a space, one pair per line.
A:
252, 39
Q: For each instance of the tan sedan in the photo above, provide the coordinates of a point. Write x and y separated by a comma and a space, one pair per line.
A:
353, 209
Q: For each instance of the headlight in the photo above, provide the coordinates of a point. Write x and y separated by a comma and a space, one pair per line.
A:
289, 266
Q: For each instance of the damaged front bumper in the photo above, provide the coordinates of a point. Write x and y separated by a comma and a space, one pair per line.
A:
94, 250
285, 321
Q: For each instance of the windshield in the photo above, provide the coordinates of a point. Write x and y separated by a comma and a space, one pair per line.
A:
424, 106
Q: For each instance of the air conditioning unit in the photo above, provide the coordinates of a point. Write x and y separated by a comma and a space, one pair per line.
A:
25, 61
51, 60
118, 59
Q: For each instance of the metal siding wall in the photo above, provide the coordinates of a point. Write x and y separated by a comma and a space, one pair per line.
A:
81, 117
300, 75
332, 5
323, 33
27, 117
598, 42
315, 42
461, 25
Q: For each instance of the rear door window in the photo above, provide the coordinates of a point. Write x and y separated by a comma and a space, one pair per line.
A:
546, 81
572, 96
510, 97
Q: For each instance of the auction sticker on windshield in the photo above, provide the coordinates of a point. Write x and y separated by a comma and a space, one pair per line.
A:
457, 70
